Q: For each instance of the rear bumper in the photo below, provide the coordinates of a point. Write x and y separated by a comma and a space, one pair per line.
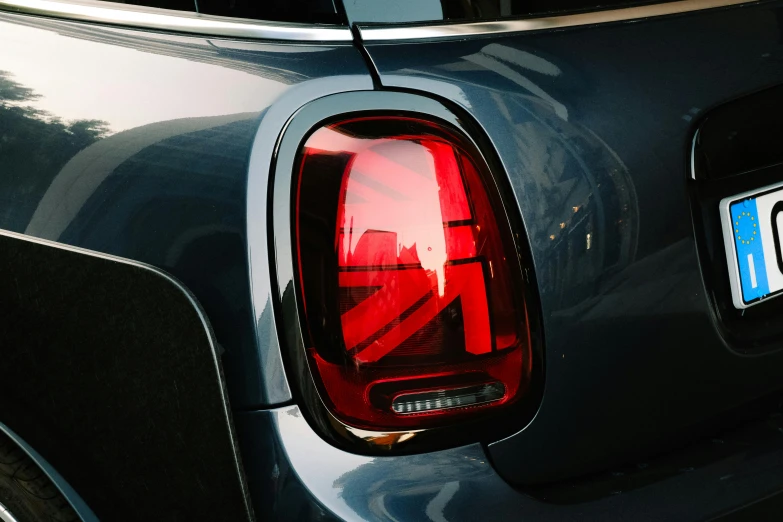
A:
295, 475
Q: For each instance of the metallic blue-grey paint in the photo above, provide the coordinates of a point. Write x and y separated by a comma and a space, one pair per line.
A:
594, 126
295, 475
166, 178
260, 248
590, 133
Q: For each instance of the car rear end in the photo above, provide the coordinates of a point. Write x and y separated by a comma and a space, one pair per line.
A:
466, 260
643, 384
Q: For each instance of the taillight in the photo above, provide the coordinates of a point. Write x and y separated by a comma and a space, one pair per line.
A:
409, 279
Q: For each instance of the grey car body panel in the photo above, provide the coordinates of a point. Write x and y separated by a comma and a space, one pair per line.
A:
294, 475
138, 144
158, 148
594, 127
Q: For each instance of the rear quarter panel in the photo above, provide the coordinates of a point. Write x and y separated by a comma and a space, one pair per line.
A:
138, 144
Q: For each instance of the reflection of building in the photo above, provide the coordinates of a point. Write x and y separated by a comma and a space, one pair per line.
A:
576, 195
593, 230
422, 484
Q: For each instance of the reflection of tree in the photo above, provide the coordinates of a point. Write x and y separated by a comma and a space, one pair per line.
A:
13, 91
34, 146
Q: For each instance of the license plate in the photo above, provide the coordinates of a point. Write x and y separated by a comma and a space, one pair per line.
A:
752, 227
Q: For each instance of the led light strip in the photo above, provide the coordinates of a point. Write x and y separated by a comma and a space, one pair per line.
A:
446, 399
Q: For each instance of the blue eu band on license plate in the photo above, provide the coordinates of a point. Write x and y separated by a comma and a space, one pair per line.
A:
752, 227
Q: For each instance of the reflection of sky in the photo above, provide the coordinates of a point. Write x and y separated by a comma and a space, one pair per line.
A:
410, 487
399, 11
406, 204
316, 461
134, 88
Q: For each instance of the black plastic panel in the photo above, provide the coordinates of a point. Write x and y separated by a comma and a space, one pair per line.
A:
740, 136
108, 369
736, 149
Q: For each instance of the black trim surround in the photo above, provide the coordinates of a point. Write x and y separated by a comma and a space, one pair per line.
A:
108, 369
734, 152
777, 209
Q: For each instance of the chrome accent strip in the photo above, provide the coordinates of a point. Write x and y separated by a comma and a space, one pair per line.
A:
6, 515
693, 154
176, 21
375, 33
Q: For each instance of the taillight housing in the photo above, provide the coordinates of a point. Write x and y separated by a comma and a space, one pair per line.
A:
409, 282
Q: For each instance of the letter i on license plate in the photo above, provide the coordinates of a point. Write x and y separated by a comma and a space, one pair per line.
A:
752, 227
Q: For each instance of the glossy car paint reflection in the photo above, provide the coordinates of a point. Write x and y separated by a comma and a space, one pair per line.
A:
136, 144
289, 465
595, 140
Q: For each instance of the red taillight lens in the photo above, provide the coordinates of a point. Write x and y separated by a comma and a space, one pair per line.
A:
409, 278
